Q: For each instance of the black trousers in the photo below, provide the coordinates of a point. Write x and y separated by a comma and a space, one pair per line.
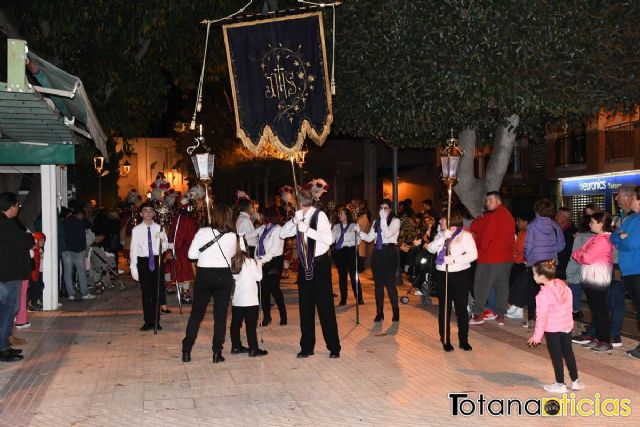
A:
384, 265
149, 289
271, 288
250, 317
345, 260
216, 283
532, 292
518, 285
460, 283
317, 293
597, 299
632, 283
559, 345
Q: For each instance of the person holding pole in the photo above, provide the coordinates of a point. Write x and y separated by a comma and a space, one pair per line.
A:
455, 249
384, 262
145, 262
313, 232
344, 254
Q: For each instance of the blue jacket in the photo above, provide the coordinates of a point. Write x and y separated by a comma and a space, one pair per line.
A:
544, 240
629, 248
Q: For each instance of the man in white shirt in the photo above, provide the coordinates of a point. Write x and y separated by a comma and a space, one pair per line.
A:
244, 225
145, 263
313, 231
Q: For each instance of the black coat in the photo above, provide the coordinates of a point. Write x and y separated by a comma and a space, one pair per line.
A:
15, 243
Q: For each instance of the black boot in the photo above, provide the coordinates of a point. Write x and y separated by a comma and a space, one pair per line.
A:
379, 316
396, 314
283, 317
186, 355
217, 357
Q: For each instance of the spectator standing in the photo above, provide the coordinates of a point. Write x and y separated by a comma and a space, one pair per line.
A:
493, 233
627, 241
75, 227
596, 261
569, 230
14, 268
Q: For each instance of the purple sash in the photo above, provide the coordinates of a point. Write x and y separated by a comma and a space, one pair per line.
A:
308, 258
443, 251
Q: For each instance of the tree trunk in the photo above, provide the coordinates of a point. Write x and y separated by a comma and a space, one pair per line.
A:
471, 190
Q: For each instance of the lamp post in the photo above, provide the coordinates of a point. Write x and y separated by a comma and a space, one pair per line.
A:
203, 164
126, 167
450, 159
98, 165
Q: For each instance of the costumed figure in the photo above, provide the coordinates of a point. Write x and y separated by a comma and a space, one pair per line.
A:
244, 223
196, 196
312, 230
287, 210
158, 188
317, 187
181, 232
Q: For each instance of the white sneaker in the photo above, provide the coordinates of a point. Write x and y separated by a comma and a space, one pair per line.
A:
417, 292
88, 296
120, 271
556, 388
577, 385
24, 326
511, 309
518, 313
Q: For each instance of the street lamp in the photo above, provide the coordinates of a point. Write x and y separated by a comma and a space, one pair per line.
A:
450, 160
98, 165
126, 167
203, 164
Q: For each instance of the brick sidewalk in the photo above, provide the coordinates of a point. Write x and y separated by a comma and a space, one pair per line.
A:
90, 366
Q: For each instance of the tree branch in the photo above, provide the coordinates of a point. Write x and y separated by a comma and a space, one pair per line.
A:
470, 190
501, 154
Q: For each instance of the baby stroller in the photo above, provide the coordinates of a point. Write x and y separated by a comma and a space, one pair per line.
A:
421, 275
104, 272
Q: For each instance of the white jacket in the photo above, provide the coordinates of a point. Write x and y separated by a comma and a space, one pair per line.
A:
246, 291
462, 249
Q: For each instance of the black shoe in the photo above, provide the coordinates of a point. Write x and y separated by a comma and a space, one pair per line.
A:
266, 322
240, 349
304, 354
361, 302
15, 350
447, 347
379, 317
334, 355
145, 327
165, 310
396, 314
217, 357
10, 356
466, 347
159, 327
283, 322
258, 352
186, 356
342, 302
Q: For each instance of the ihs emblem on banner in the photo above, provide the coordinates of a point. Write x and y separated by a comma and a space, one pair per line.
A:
288, 80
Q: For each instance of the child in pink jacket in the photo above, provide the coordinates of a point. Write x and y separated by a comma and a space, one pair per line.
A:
554, 306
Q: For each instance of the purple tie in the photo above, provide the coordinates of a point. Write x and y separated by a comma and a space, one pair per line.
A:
340, 241
379, 238
152, 261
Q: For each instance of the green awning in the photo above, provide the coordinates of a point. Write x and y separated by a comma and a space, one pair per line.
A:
12, 153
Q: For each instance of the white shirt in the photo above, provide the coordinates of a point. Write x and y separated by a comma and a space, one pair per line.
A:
322, 234
140, 244
462, 249
349, 235
273, 244
213, 256
244, 227
389, 232
246, 291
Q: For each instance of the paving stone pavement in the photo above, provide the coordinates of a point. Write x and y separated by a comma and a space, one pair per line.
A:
88, 365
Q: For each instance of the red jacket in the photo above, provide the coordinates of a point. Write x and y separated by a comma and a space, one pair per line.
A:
493, 232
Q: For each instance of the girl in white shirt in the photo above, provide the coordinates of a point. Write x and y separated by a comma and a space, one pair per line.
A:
213, 247
344, 255
245, 305
385, 260
456, 249
269, 253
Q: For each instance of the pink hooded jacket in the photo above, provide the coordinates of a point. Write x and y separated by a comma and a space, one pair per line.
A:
554, 305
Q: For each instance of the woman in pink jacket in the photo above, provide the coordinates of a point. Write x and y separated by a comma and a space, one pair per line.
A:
554, 320
596, 265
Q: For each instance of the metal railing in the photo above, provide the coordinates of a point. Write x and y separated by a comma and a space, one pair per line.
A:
619, 141
571, 149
